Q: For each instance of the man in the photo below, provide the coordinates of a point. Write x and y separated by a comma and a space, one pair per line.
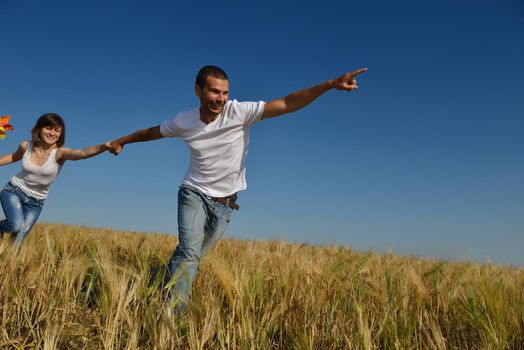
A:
217, 134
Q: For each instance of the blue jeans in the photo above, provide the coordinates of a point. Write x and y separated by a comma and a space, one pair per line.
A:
21, 212
201, 223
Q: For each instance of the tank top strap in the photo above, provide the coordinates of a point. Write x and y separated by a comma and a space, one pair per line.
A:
53, 154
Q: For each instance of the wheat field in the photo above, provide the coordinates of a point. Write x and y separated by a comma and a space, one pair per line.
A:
72, 287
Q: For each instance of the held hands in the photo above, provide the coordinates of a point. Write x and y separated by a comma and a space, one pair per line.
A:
347, 82
114, 147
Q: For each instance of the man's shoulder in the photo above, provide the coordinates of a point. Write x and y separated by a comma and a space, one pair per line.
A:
190, 113
182, 121
186, 116
239, 107
234, 103
246, 112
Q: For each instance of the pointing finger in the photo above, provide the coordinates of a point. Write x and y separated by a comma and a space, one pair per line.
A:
357, 72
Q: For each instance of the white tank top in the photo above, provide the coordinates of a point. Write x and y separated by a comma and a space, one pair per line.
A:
35, 180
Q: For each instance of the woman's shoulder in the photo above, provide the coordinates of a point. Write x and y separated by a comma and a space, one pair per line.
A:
59, 151
62, 149
25, 144
59, 154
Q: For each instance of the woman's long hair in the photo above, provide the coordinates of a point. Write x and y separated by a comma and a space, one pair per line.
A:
48, 119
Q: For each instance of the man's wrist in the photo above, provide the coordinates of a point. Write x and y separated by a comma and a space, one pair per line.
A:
121, 141
331, 83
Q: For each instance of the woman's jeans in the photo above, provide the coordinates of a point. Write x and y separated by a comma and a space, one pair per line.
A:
201, 223
21, 212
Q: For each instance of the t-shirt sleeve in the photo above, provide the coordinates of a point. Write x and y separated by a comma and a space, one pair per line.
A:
168, 128
251, 111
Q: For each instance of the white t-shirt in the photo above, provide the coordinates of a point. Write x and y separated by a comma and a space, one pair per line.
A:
218, 150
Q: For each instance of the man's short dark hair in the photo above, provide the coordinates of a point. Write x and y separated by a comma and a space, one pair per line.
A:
207, 71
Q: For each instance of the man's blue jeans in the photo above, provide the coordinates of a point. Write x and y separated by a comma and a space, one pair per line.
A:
201, 223
21, 212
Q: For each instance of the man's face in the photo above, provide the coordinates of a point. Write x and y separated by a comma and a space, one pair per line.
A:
213, 96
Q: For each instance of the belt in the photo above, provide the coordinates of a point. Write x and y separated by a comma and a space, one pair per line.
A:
229, 201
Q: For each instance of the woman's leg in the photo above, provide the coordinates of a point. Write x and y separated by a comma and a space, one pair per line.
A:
14, 214
32, 209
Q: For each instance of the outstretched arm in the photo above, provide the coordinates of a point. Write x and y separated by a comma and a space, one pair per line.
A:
64, 154
15, 156
143, 135
302, 98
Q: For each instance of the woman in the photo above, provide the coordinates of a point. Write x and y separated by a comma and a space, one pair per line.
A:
42, 158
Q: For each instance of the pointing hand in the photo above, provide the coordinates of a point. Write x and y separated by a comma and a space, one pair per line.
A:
347, 81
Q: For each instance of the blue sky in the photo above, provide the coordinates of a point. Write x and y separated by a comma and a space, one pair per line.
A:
424, 159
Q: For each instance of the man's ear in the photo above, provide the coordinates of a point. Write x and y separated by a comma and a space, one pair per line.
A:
198, 90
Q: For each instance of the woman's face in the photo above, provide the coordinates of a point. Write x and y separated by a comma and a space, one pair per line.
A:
50, 134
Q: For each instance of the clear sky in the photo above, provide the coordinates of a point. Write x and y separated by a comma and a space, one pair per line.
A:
425, 159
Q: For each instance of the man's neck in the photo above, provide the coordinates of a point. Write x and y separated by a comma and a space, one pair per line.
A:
207, 118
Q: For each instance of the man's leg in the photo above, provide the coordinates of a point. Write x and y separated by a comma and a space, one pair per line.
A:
183, 265
219, 218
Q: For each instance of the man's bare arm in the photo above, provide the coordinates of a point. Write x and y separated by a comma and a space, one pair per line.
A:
143, 135
302, 98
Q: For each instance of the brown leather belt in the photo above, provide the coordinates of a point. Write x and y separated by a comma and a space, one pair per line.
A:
229, 201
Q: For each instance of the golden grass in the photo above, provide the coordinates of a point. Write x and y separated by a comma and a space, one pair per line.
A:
71, 287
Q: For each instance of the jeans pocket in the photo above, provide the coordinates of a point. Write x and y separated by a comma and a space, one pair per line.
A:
225, 211
9, 187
